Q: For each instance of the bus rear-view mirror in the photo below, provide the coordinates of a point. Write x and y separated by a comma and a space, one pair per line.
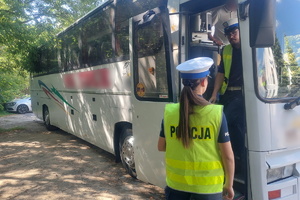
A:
262, 23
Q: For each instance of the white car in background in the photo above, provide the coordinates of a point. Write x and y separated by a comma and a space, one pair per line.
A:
19, 105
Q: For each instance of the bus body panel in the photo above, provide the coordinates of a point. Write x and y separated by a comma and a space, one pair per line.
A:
285, 127
149, 162
271, 121
257, 120
258, 191
268, 126
89, 113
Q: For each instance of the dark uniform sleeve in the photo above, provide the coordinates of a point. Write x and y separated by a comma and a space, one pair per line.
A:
223, 134
162, 130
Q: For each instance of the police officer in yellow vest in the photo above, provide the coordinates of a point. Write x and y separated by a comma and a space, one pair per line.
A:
194, 135
229, 84
229, 77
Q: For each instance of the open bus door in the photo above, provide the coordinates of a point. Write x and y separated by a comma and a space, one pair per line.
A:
196, 25
153, 73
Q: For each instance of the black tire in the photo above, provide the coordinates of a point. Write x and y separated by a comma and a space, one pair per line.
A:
22, 109
47, 121
127, 151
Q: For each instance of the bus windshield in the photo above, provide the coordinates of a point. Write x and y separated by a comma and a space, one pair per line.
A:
278, 67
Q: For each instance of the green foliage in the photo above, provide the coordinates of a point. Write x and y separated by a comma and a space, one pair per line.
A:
26, 25
294, 43
293, 70
4, 113
287, 66
13, 85
277, 52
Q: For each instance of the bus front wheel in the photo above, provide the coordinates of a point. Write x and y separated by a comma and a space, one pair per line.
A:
127, 151
47, 121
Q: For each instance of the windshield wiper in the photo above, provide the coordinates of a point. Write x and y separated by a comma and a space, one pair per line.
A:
292, 104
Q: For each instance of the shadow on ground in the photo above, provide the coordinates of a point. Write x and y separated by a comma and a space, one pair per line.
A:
38, 164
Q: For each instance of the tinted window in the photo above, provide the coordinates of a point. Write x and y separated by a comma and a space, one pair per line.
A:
70, 52
150, 58
47, 60
122, 38
98, 38
97, 46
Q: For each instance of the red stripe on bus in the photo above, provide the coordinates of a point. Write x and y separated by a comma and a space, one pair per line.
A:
95, 79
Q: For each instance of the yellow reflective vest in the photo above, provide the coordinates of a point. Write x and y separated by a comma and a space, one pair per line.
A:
197, 169
227, 58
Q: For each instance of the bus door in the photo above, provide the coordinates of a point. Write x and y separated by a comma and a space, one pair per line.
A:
153, 73
196, 26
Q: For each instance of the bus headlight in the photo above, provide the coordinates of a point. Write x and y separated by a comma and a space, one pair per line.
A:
279, 173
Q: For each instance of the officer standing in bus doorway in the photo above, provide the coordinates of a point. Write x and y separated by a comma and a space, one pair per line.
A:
195, 138
219, 16
229, 83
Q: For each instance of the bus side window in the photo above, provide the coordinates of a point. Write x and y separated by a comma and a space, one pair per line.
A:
151, 64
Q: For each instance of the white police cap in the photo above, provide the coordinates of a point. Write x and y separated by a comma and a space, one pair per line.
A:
195, 68
230, 25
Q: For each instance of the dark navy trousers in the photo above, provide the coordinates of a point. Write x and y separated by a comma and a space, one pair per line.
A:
234, 110
172, 194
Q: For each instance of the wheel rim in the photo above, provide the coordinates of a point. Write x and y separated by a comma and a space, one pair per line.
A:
22, 109
127, 152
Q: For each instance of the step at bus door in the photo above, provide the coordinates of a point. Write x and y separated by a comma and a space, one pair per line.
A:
153, 87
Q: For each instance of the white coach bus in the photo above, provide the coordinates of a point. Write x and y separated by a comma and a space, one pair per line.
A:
110, 74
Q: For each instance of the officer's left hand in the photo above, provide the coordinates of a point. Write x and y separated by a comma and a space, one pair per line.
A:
228, 193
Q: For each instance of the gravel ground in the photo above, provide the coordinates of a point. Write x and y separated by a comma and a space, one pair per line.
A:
36, 164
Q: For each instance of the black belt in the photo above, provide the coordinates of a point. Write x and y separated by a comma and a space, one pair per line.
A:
237, 88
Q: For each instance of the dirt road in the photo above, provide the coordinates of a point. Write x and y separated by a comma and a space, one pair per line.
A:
36, 164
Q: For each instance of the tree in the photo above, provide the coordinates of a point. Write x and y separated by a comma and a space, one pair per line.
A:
278, 57
291, 63
294, 43
26, 25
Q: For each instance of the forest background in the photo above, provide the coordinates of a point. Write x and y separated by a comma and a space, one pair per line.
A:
26, 25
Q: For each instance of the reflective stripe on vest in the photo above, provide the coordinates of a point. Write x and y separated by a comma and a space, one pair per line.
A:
227, 58
197, 169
